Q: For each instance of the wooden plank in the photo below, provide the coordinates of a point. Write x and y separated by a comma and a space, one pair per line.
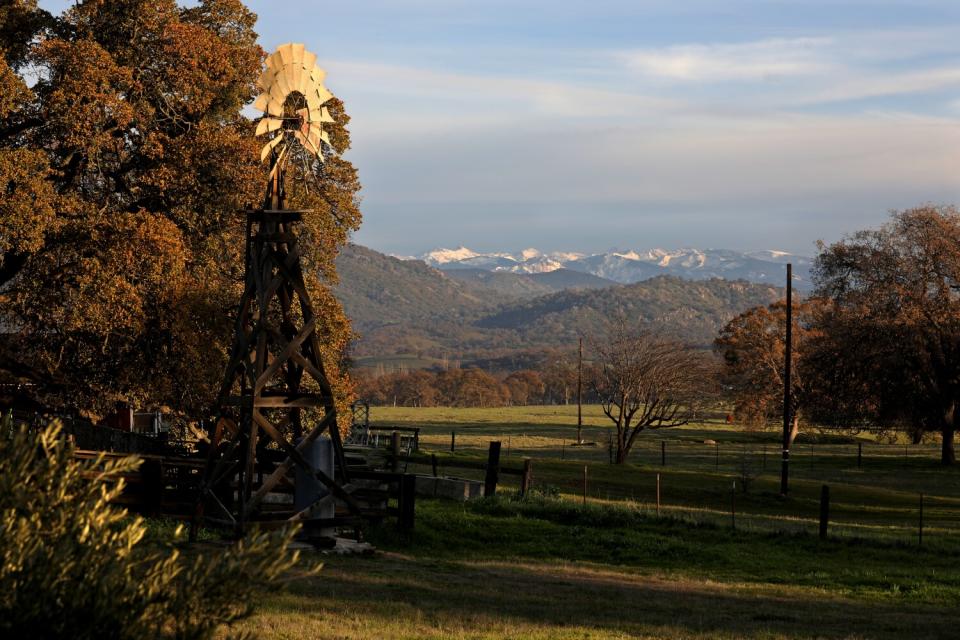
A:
298, 459
407, 502
293, 345
390, 429
292, 401
284, 467
493, 469
279, 215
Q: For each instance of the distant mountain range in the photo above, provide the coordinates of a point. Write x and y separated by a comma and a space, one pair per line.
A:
411, 315
628, 267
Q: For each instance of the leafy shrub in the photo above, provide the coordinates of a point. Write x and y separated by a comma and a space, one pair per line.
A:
73, 566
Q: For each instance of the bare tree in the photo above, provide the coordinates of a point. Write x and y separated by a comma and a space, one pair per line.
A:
645, 381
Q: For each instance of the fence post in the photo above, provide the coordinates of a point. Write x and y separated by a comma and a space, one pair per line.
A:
527, 476
921, 521
717, 445
433, 463
395, 450
584, 485
563, 450
453, 441
859, 454
658, 494
508, 446
416, 440
493, 469
824, 510
663, 453
408, 492
151, 474
733, 505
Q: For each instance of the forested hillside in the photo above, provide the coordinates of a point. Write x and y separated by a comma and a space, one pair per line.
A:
692, 310
411, 315
377, 290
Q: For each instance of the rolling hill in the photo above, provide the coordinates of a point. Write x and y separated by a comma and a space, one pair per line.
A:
404, 309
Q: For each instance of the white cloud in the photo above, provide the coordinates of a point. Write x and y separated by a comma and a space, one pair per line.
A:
851, 85
760, 60
401, 97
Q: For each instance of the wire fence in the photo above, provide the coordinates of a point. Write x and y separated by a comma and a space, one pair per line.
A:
891, 492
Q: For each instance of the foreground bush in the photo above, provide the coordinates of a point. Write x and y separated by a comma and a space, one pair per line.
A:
72, 566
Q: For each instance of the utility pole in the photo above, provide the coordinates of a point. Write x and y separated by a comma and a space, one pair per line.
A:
787, 358
580, 393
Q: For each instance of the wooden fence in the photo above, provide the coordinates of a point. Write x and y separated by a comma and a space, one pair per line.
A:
492, 468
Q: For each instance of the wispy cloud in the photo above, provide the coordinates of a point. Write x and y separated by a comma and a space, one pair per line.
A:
760, 60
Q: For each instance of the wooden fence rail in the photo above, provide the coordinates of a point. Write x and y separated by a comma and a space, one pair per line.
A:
491, 468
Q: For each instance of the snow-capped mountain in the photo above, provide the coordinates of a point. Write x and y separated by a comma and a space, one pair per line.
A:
526, 261
631, 266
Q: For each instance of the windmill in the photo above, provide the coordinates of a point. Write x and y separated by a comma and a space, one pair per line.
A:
274, 385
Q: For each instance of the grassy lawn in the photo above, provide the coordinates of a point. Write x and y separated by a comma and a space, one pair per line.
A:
552, 567
880, 498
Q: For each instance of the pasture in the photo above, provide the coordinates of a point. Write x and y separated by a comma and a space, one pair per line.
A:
557, 565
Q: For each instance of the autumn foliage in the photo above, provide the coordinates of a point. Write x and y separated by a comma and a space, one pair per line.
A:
128, 166
752, 347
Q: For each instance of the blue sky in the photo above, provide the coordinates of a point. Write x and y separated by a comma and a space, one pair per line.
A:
591, 125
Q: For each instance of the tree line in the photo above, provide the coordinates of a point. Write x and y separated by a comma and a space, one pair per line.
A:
471, 387
877, 346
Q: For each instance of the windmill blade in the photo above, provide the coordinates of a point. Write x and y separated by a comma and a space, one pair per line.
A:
318, 75
265, 79
274, 62
286, 53
275, 108
320, 115
266, 125
283, 82
267, 148
297, 50
260, 104
278, 94
295, 78
318, 135
316, 96
304, 86
323, 93
309, 60
305, 142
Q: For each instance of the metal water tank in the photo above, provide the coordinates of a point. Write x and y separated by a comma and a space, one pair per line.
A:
307, 490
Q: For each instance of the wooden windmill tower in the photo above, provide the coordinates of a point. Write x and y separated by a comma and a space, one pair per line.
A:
275, 386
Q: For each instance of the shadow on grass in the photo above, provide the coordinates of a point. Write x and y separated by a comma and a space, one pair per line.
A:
397, 596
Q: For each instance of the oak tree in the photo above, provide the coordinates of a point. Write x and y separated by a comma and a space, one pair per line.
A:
127, 166
894, 323
752, 347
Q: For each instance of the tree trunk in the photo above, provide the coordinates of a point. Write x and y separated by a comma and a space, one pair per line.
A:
794, 428
621, 453
947, 453
622, 450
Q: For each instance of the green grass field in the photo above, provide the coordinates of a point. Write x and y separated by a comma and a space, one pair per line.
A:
556, 568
